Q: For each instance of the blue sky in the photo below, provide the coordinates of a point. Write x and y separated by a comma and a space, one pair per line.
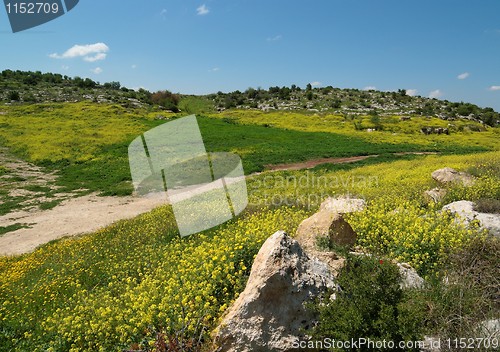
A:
448, 49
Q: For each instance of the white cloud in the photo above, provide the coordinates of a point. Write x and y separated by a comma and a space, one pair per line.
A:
463, 75
96, 57
215, 69
275, 38
96, 70
435, 94
494, 88
411, 92
202, 10
370, 88
89, 52
315, 84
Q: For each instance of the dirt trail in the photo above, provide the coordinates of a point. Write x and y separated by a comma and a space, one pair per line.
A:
73, 216
89, 213
315, 162
309, 164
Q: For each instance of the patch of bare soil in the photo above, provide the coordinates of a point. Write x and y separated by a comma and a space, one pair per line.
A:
315, 162
84, 214
73, 216
309, 164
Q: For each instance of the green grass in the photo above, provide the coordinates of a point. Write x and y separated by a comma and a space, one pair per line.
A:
124, 284
88, 143
13, 227
10, 204
50, 205
191, 104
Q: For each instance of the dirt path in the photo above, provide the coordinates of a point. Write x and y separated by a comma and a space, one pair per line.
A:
89, 213
73, 216
309, 164
315, 162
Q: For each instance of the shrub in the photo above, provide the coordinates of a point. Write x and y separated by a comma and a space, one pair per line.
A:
13, 95
488, 205
166, 99
371, 305
468, 294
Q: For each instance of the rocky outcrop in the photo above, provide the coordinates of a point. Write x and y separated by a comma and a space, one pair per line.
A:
465, 211
409, 277
343, 205
328, 222
489, 329
434, 130
448, 175
325, 224
329, 225
269, 315
436, 194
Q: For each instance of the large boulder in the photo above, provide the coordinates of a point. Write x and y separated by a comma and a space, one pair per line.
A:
465, 211
329, 226
448, 175
269, 315
325, 224
329, 222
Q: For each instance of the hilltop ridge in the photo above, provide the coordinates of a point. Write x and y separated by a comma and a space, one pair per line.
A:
37, 87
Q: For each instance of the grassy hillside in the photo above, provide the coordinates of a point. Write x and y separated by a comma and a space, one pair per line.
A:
121, 286
86, 144
136, 285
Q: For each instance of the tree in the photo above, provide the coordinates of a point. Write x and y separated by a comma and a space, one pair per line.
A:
13, 96
112, 85
336, 104
166, 99
309, 87
251, 93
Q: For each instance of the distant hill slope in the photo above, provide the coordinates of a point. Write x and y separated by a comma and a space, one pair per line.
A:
38, 87
352, 102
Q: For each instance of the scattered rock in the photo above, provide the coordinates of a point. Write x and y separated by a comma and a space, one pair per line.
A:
465, 210
431, 344
410, 277
489, 329
270, 314
329, 225
343, 205
325, 224
435, 130
436, 194
449, 175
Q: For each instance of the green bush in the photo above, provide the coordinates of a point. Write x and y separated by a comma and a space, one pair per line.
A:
468, 293
371, 305
13, 96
